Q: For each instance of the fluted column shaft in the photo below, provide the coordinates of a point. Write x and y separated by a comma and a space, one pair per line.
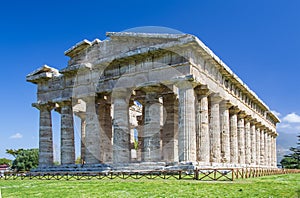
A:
92, 135
202, 120
247, 141
269, 156
214, 128
253, 144
258, 145
121, 132
225, 134
105, 122
241, 138
234, 151
45, 134
67, 133
186, 133
262, 147
152, 127
274, 150
170, 129
83, 143
266, 148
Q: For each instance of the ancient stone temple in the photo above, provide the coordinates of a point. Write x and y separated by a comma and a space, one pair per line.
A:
147, 99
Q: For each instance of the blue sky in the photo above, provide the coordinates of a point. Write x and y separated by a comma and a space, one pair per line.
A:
259, 40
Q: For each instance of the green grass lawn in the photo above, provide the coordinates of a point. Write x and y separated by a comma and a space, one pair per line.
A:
269, 186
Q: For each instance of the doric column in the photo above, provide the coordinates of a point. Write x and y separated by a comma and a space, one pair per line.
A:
262, 146
253, 142
170, 129
234, 152
105, 121
241, 137
82, 147
202, 130
121, 133
271, 150
152, 125
186, 132
258, 143
225, 134
269, 145
82, 117
92, 135
247, 140
214, 128
67, 133
45, 134
266, 147
275, 150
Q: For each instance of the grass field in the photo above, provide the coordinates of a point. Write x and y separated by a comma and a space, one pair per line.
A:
269, 186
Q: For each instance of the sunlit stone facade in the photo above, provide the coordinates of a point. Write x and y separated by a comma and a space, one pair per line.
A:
153, 98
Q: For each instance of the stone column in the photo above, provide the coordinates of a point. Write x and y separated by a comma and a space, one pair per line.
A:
253, 143
81, 115
262, 147
121, 133
170, 129
247, 140
234, 151
241, 137
92, 135
271, 150
275, 150
225, 134
45, 134
82, 148
104, 116
269, 145
266, 148
214, 128
203, 147
152, 125
258, 144
67, 133
186, 132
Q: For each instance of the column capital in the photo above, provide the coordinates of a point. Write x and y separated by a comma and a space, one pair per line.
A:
185, 84
248, 118
253, 121
258, 125
225, 104
241, 114
234, 110
66, 102
263, 128
44, 106
202, 90
215, 98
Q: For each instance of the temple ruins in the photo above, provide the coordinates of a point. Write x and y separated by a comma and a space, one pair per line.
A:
152, 100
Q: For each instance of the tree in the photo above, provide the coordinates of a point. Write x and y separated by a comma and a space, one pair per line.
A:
25, 159
292, 160
5, 161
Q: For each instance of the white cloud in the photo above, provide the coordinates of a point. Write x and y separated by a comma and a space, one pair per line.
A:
276, 113
292, 118
284, 126
16, 136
